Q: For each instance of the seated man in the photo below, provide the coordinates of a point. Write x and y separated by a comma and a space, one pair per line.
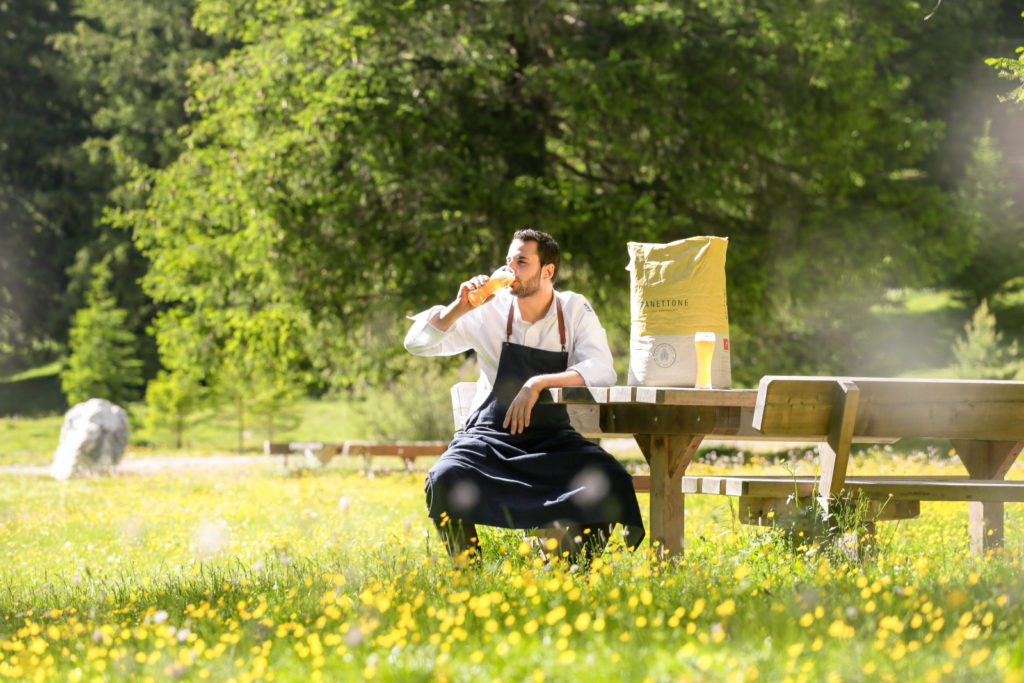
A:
519, 464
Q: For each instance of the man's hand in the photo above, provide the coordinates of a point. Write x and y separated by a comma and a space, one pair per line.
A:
518, 416
468, 286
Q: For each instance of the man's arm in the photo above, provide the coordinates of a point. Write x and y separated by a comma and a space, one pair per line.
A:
425, 337
445, 318
591, 356
592, 366
518, 416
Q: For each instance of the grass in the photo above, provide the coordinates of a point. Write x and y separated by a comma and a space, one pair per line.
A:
33, 440
410, 406
41, 371
268, 573
332, 419
295, 575
29, 440
918, 301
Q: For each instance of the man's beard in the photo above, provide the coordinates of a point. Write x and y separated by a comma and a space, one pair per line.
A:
527, 287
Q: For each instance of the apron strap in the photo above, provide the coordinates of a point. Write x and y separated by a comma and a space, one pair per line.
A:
561, 322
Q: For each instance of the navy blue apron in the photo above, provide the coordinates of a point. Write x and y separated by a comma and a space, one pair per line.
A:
547, 475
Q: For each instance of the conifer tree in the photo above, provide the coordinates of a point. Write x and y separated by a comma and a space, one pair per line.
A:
981, 353
102, 360
173, 401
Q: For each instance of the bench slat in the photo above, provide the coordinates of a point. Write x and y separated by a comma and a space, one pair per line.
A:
900, 488
773, 511
410, 449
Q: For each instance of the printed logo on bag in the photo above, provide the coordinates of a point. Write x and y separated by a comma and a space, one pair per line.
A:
666, 303
725, 343
664, 355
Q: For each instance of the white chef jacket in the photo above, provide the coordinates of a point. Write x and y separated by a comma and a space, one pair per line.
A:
483, 330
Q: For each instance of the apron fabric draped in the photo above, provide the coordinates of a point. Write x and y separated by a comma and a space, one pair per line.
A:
548, 475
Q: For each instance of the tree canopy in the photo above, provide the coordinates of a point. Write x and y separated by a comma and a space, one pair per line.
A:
354, 162
289, 180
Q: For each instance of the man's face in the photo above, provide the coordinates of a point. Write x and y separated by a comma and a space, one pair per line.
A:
525, 263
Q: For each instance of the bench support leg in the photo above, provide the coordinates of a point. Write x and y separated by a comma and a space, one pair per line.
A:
834, 452
668, 458
986, 460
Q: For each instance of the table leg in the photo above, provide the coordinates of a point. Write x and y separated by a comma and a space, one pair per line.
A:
986, 460
985, 525
668, 458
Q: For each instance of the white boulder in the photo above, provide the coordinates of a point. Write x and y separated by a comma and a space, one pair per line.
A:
93, 437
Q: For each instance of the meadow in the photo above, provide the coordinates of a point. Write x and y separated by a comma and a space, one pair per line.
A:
294, 574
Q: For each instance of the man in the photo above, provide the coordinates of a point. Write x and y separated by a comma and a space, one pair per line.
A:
519, 463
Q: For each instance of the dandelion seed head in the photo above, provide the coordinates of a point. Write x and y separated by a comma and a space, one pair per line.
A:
211, 537
133, 530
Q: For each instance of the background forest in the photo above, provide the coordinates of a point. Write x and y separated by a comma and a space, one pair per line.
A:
237, 202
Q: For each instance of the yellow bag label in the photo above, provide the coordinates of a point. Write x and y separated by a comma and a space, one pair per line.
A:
679, 287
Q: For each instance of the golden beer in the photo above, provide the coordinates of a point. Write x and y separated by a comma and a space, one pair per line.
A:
502, 277
704, 342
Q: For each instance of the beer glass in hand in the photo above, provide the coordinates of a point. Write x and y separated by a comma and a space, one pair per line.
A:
502, 277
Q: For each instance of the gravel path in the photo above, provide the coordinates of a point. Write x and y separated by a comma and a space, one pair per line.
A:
155, 463
130, 465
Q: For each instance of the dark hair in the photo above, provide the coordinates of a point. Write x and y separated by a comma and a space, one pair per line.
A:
547, 247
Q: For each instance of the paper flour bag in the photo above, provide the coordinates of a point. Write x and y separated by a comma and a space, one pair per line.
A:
677, 289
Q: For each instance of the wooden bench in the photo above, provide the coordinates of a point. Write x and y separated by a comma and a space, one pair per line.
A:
315, 451
408, 451
585, 419
984, 421
312, 450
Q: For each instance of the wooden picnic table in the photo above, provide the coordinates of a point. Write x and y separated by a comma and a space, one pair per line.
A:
669, 425
982, 419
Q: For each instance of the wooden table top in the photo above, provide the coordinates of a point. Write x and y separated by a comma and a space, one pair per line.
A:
678, 396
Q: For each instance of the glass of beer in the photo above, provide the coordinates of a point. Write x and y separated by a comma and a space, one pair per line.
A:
705, 345
502, 277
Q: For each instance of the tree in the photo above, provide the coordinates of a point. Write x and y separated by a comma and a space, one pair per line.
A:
353, 163
92, 92
172, 401
256, 395
249, 362
128, 64
982, 353
1011, 68
996, 243
102, 362
38, 202
19, 293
